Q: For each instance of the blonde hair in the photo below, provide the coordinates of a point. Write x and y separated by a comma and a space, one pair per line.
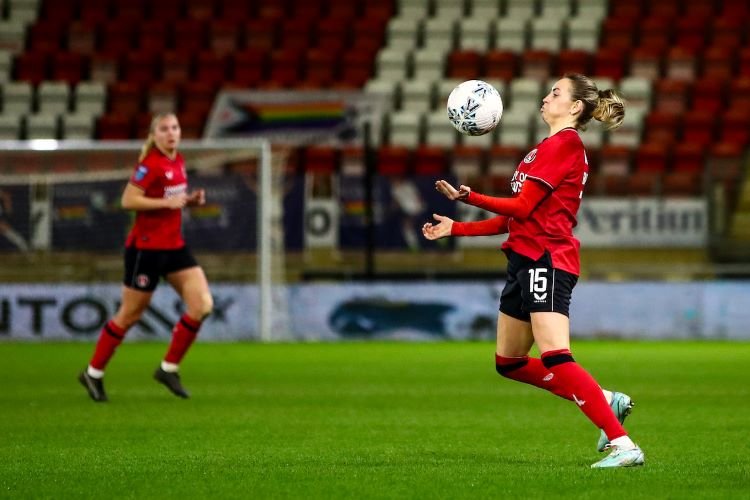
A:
606, 106
150, 138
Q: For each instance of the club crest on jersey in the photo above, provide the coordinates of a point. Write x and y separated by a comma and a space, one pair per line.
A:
142, 281
169, 174
530, 157
140, 172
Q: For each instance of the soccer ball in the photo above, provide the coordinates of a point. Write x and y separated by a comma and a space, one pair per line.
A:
475, 107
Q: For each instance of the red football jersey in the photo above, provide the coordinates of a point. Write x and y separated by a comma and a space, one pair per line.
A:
159, 177
560, 163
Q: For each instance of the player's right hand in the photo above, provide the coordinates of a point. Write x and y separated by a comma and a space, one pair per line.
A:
445, 188
439, 230
176, 202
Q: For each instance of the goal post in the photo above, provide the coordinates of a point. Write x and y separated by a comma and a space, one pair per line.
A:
61, 214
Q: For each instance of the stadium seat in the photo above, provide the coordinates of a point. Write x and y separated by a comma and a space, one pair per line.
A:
284, 67
45, 36
393, 161
430, 160
655, 32
139, 68
438, 130
261, 34
464, 64
77, 126
645, 62
90, 98
333, 34
417, 95
688, 157
515, 128
725, 162
393, 64
583, 33
502, 159
467, 163
6, 66
484, 9
546, 34
403, 32
707, 94
53, 97
537, 64
592, 137
526, 94
727, 32
224, 36
197, 97
163, 97
189, 35
116, 37
652, 157
519, 9
42, 126
70, 67
105, 68
449, 9
115, 126
11, 127
82, 37
718, 63
429, 64
698, 127
619, 33
248, 68
671, 96
475, 34
644, 183
200, 9
12, 35
559, 9
682, 184
125, 98
211, 68
637, 91
661, 127
320, 159
32, 67
609, 63
510, 34
681, 63
295, 34
735, 127
573, 61
501, 65
387, 90
439, 33
405, 128
357, 67
615, 160
18, 98
691, 32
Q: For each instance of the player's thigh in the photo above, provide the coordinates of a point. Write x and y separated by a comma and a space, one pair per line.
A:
192, 285
514, 336
133, 304
551, 330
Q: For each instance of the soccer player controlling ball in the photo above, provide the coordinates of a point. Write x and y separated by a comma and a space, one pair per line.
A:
157, 192
544, 262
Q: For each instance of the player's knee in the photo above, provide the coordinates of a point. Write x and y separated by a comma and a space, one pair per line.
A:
126, 319
506, 366
205, 306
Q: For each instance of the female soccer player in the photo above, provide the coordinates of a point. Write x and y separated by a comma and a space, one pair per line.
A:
543, 260
157, 192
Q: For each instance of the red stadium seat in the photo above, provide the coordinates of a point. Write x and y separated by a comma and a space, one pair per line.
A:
632, 10
139, 68
430, 160
320, 159
131, 10
321, 67
357, 67
224, 36
176, 67
503, 159
105, 68
168, 9
665, 8
743, 62
153, 36
248, 67
82, 38
284, 67
236, 10
574, 61
468, 163
644, 183
682, 184
698, 127
539, 64
655, 32
735, 8
708, 95
688, 157
116, 37
200, 9
652, 157
197, 97
618, 32
645, 62
125, 98
691, 32
609, 63
189, 36
681, 63
727, 32
211, 68
32, 67
163, 97
115, 126
261, 34
94, 11
615, 160
739, 94
343, 9
464, 64
45, 36
725, 161
61, 12
70, 67
671, 96
735, 127
332, 33
501, 64
393, 161
661, 127
296, 34
718, 62
192, 124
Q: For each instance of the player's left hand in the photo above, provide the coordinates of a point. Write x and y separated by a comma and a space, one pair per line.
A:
197, 197
450, 192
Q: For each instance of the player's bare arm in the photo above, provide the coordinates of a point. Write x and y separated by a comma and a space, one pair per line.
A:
134, 198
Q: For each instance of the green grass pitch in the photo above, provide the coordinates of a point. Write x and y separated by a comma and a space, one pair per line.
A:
367, 420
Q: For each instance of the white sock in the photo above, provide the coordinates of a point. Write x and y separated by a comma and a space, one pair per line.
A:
94, 373
623, 442
608, 396
169, 367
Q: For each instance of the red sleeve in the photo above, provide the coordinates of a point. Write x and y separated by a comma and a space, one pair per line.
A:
143, 176
518, 207
552, 163
487, 227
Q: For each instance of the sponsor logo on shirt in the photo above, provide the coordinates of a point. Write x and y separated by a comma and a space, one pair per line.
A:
140, 173
170, 191
530, 157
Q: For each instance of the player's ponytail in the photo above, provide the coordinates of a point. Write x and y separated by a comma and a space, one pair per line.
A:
606, 106
150, 139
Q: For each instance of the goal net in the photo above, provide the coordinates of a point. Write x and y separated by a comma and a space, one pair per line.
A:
62, 232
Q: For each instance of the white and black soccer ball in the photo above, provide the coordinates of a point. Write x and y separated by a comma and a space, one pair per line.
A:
475, 107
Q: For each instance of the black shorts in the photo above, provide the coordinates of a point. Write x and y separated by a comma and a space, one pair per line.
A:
535, 286
143, 268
